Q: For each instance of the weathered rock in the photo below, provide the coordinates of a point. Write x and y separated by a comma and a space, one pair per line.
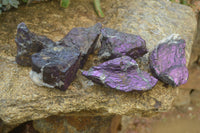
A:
182, 98
116, 44
76, 124
195, 97
168, 63
55, 67
29, 43
122, 74
21, 100
4, 128
194, 78
153, 21
84, 39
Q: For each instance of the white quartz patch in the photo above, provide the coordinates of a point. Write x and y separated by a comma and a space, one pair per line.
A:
38, 79
173, 38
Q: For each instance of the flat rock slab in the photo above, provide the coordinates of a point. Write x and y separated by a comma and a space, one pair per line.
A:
18, 105
21, 100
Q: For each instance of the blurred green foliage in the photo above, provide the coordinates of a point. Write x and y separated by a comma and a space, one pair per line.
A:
184, 2
7, 4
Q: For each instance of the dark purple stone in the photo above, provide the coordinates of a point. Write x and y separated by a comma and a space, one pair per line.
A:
115, 44
29, 43
55, 67
168, 63
84, 39
122, 74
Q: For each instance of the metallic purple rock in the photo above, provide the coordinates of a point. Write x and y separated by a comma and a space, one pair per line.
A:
29, 43
84, 39
175, 76
122, 74
55, 67
116, 44
168, 63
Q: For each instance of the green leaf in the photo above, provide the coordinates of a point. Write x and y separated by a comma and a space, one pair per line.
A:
97, 6
64, 3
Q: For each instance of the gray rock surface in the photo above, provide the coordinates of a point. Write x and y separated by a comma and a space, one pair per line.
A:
21, 100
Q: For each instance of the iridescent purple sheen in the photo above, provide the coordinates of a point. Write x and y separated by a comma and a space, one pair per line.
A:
175, 76
122, 74
116, 44
168, 62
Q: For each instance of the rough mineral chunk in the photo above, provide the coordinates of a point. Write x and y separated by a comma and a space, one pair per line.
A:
122, 74
116, 44
84, 39
55, 67
167, 61
29, 43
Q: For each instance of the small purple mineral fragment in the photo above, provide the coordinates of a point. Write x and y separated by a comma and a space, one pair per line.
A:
84, 39
122, 74
55, 67
115, 44
168, 63
29, 43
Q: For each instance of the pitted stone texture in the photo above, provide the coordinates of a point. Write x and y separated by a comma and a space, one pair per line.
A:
168, 63
29, 43
21, 100
116, 44
55, 67
84, 39
24, 101
122, 74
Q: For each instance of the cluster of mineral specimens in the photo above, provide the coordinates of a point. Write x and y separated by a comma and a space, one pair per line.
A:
55, 64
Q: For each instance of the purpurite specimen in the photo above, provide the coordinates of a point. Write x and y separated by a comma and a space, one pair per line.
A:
29, 43
84, 39
115, 44
168, 63
122, 74
55, 67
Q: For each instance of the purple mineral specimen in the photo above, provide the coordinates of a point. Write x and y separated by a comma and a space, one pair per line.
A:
29, 43
168, 63
84, 39
55, 67
122, 74
116, 44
